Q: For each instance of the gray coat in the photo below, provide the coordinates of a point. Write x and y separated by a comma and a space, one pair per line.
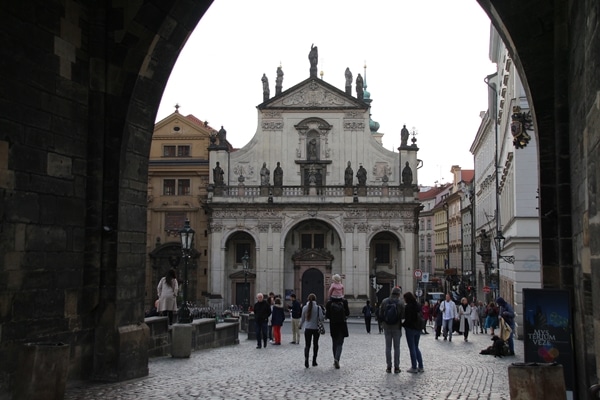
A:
315, 316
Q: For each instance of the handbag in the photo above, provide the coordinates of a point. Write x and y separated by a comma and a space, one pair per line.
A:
321, 327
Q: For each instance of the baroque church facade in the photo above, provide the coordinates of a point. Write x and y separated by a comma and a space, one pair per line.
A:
312, 194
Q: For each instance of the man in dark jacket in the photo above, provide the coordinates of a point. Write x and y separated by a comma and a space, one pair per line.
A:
337, 311
262, 310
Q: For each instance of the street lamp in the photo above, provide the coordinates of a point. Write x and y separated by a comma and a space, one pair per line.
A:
187, 241
245, 260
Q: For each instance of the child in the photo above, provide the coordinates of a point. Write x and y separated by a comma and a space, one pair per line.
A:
475, 317
336, 290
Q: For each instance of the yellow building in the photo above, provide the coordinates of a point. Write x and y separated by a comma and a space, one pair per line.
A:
177, 181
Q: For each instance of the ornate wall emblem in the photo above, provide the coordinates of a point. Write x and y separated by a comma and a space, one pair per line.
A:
244, 169
272, 125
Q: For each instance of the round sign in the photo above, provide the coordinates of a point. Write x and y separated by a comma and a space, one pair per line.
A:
418, 273
486, 289
419, 292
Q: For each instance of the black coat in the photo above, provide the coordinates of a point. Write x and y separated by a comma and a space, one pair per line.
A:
262, 310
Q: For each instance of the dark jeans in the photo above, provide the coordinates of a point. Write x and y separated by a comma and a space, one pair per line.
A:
337, 342
467, 328
261, 333
368, 324
311, 335
412, 340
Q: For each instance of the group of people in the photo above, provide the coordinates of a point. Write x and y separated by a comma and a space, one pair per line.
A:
474, 318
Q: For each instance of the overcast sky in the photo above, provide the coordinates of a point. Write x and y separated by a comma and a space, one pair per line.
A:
426, 61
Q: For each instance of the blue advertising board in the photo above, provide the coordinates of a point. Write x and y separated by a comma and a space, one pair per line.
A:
548, 329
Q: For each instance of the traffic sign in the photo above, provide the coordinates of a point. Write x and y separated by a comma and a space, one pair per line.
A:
418, 273
419, 292
486, 289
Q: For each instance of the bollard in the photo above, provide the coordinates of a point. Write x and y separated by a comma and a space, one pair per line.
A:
181, 340
533, 381
251, 327
43, 371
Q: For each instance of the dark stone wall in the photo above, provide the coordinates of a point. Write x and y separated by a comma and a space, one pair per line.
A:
80, 84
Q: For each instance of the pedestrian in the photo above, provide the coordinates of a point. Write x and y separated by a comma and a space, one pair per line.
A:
413, 319
392, 313
482, 315
271, 302
167, 295
336, 289
474, 318
296, 314
448, 310
337, 311
437, 314
426, 311
491, 321
277, 318
508, 315
311, 315
464, 315
368, 312
262, 312
376, 314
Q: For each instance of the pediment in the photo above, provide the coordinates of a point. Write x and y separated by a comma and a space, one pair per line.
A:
313, 94
312, 255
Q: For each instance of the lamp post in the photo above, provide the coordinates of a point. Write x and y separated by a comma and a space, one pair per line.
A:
245, 260
187, 241
447, 263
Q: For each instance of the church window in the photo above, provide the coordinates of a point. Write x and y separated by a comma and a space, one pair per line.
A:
313, 241
382, 252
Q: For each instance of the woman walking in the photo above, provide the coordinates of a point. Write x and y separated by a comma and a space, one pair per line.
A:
412, 329
167, 295
311, 315
277, 318
464, 313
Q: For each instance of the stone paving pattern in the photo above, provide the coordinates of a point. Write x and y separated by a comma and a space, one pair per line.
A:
453, 370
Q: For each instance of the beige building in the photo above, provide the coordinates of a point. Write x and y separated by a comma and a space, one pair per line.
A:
313, 194
177, 188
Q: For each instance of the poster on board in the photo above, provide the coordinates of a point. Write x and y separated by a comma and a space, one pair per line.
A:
548, 329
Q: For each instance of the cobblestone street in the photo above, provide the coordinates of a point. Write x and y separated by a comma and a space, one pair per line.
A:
453, 370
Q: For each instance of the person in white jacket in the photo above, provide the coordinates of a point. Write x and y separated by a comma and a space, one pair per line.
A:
449, 314
464, 313
167, 295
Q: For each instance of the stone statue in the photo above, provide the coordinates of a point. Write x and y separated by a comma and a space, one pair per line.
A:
313, 57
265, 175
279, 81
312, 149
222, 135
361, 174
348, 175
404, 137
360, 88
218, 175
278, 175
266, 92
486, 242
407, 175
348, 81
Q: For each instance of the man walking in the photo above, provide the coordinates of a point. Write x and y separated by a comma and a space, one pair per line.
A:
448, 310
337, 311
262, 311
391, 313
368, 312
296, 313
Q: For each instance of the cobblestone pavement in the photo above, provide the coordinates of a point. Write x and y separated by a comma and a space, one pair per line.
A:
453, 370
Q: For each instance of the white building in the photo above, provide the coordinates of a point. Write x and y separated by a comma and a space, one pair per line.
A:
309, 217
506, 187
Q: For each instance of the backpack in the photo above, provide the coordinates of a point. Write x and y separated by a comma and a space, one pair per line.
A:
390, 313
337, 311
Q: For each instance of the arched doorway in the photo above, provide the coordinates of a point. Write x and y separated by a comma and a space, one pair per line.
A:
313, 281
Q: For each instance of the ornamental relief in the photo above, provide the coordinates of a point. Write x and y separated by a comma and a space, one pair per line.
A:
272, 125
272, 114
363, 227
244, 169
263, 227
313, 97
348, 227
276, 226
215, 227
356, 213
354, 125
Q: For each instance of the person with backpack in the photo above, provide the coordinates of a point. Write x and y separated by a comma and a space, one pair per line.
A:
391, 314
336, 311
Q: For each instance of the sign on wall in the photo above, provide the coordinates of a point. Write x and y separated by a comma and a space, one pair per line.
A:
548, 329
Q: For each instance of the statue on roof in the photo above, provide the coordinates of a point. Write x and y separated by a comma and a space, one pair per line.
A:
278, 175
407, 175
313, 57
348, 81
360, 88
362, 176
404, 137
266, 92
279, 81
